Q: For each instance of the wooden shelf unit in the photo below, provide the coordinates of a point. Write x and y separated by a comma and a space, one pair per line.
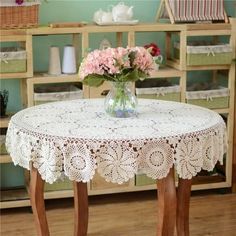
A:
172, 70
40, 78
5, 159
4, 121
213, 30
16, 197
26, 42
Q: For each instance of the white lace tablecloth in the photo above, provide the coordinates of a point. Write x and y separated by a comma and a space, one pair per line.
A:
74, 138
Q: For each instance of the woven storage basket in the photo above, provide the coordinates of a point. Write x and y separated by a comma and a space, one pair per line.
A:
213, 99
169, 93
53, 93
206, 54
12, 60
13, 15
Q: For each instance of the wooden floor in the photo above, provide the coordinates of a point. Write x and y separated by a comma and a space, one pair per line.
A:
129, 214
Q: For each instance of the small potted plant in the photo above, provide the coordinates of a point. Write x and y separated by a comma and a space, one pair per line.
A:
3, 101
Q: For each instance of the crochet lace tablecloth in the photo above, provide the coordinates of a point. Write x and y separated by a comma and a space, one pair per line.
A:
74, 138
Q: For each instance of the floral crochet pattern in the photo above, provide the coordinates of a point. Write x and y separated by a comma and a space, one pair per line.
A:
74, 138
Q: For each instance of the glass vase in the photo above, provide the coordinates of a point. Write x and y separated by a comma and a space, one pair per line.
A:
120, 101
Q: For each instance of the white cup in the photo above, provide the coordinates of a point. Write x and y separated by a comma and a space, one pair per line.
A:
69, 60
54, 67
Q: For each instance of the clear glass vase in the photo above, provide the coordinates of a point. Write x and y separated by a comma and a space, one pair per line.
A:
120, 101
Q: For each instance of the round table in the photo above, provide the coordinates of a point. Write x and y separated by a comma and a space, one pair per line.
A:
75, 138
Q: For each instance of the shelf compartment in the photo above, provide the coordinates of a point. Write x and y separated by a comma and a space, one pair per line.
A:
14, 198
5, 159
212, 99
208, 179
176, 65
5, 121
143, 180
166, 72
14, 60
169, 93
99, 183
58, 185
14, 75
52, 93
202, 55
44, 78
58, 194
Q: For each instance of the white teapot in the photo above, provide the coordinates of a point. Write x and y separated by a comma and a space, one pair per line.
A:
121, 12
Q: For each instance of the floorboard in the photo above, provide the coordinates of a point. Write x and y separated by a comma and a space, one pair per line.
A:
128, 214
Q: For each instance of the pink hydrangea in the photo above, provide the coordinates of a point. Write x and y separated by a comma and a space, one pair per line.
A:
112, 62
143, 60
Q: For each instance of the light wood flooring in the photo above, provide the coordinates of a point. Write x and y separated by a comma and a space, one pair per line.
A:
128, 214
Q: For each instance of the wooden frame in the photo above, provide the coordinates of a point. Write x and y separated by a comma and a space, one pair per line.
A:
233, 74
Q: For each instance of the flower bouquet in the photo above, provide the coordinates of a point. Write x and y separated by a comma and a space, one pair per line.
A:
120, 66
155, 52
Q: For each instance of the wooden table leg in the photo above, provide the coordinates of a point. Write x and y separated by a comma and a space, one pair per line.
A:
166, 205
183, 200
81, 208
37, 202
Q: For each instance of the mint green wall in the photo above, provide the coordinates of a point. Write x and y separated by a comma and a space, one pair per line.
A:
77, 11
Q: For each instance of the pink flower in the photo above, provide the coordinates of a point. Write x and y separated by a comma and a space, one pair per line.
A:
116, 64
143, 60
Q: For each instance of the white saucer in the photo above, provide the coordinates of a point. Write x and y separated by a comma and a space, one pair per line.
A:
127, 22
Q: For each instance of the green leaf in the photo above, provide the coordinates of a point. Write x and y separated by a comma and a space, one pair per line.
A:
93, 80
132, 57
132, 76
142, 75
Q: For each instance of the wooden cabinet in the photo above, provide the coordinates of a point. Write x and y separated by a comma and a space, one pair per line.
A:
127, 36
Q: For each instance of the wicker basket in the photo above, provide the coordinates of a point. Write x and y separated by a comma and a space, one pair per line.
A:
212, 99
12, 60
18, 16
169, 93
52, 93
206, 54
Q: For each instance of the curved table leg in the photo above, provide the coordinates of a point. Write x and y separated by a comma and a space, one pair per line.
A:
81, 208
183, 200
37, 202
166, 205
